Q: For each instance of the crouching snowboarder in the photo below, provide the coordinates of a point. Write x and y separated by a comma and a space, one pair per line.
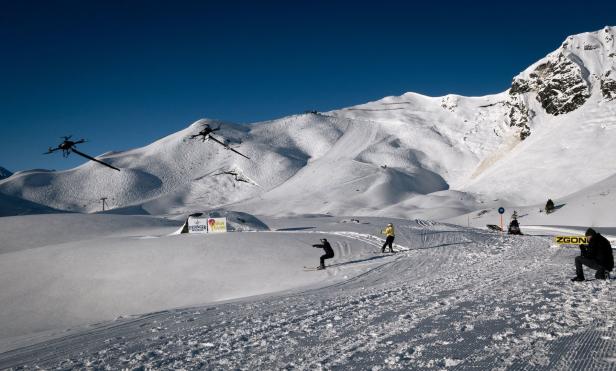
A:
329, 252
596, 255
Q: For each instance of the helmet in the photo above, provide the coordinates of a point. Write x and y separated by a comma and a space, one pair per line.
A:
323, 239
390, 225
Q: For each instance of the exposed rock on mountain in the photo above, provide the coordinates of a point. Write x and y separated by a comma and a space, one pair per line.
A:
558, 83
560, 86
564, 80
519, 115
4, 173
608, 87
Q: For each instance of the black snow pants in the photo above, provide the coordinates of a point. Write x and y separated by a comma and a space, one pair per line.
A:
326, 256
388, 242
590, 263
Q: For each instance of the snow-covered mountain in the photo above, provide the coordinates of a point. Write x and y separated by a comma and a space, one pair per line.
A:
10, 206
4, 173
406, 156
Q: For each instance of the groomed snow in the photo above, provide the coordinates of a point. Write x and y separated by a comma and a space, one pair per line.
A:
452, 296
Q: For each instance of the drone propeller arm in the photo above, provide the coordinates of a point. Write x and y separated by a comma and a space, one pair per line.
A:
93, 159
227, 147
231, 149
203, 137
51, 150
216, 140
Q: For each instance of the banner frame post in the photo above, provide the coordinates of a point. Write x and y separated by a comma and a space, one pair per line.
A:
501, 211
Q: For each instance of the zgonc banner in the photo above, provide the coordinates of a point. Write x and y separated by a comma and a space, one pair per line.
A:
207, 225
571, 240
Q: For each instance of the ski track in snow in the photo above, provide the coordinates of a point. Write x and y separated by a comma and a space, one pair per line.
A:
453, 299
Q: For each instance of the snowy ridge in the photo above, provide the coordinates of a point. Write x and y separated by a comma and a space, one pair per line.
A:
387, 157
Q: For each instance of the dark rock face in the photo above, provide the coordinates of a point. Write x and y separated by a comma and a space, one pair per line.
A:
559, 85
520, 86
4, 173
519, 116
608, 87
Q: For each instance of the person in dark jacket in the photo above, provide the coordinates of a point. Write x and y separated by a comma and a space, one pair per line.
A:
329, 252
514, 227
596, 255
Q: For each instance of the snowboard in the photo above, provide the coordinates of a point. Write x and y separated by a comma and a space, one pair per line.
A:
312, 268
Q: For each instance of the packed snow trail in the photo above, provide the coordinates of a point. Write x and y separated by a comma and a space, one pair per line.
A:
457, 299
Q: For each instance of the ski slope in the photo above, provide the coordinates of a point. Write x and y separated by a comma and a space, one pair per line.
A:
452, 297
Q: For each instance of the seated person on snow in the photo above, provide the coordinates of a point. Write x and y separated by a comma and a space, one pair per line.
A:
514, 227
596, 255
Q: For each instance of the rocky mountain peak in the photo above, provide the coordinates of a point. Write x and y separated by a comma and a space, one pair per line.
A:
4, 173
557, 82
565, 79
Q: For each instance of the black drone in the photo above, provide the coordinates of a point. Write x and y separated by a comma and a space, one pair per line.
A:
206, 134
68, 146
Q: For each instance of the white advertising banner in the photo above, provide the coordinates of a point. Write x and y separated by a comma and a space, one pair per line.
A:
197, 225
217, 225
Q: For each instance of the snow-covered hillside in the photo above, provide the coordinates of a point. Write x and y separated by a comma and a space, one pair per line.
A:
4, 173
591, 206
406, 156
10, 206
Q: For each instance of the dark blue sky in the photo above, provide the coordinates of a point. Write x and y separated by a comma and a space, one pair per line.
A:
125, 73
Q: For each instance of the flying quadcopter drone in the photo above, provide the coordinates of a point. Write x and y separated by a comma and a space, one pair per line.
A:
206, 134
68, 146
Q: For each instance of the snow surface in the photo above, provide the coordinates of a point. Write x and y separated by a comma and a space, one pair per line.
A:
452, 297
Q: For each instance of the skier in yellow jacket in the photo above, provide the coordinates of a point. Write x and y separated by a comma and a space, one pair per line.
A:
389, 240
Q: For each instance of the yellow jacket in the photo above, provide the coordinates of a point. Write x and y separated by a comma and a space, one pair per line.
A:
389, 231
